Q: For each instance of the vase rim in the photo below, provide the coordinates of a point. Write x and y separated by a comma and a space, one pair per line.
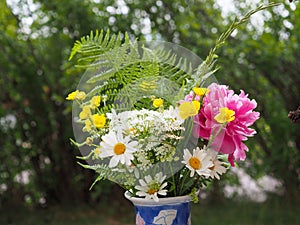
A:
151, 202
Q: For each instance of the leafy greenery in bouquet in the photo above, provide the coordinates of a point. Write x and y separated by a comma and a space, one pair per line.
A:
151, 117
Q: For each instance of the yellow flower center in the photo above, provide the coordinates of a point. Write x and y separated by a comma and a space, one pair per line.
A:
226, 115
157, 102
195, 163
119, 148
131, 131
151, 191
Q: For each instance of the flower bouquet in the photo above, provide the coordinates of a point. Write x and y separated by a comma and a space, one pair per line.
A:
152, 117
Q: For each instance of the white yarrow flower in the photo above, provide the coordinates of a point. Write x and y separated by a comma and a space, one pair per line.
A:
150, 188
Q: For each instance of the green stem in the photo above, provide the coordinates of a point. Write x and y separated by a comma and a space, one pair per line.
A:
207, 64
173, 179
185, 175
213, 136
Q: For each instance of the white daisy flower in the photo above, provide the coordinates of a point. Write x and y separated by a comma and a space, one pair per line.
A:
198, 162
216, 169
120, 148
150, 188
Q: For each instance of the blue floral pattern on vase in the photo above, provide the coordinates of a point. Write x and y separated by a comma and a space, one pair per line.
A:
169, 214
167, 211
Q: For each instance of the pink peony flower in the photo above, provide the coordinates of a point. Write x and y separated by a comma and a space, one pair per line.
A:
229, 136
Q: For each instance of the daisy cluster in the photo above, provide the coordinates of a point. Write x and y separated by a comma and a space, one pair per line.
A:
143, 150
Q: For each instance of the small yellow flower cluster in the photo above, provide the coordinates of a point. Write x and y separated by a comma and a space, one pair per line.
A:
90, 120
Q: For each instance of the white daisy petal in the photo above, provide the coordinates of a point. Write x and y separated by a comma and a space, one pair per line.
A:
113, 162
113, 145
151, 188
198, 162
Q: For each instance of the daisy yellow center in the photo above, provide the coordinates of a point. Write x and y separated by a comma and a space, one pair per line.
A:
151, 191
195, 163
119, 148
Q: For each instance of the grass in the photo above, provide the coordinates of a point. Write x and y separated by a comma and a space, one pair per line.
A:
275, 212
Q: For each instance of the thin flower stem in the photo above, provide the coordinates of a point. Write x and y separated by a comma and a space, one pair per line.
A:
173, 179
196, 181
213, 136
185, 175
207, 64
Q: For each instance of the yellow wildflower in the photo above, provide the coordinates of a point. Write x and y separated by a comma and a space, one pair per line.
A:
99, 120
85, 113
196, 104
97, 151
88, 126
225, 115
157, 102
95, 102
200, 91
187, 109
89, 141
80, 95
72, 95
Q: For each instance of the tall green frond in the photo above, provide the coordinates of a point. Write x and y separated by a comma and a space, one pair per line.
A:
95, 44
127, 71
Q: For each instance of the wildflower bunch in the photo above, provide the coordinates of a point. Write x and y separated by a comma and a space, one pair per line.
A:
152, 122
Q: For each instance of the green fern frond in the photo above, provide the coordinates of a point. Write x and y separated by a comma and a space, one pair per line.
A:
102, 76
95, 44
117, 68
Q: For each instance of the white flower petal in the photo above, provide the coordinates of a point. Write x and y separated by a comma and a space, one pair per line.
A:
113, 162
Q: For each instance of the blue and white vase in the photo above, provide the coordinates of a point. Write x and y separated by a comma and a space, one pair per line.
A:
168, 211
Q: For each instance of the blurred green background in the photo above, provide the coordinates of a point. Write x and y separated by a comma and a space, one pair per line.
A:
40, 181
